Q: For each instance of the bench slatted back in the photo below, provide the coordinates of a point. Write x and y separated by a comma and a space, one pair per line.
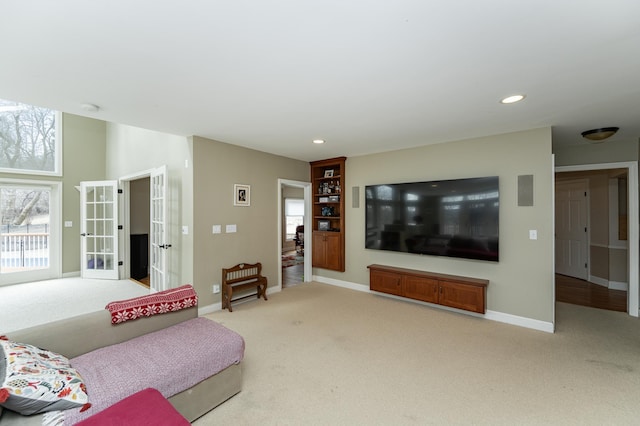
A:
244, 272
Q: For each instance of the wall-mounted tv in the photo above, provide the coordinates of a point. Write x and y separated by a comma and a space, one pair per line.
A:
456, 218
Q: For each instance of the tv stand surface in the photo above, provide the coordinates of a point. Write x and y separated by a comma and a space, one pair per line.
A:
454, 291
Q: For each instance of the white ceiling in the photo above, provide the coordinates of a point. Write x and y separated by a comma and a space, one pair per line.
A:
366, 75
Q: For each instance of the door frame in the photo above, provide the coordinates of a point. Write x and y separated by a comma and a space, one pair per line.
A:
633, 295
308, 247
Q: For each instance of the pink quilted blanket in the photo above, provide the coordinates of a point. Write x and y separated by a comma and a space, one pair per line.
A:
170, 360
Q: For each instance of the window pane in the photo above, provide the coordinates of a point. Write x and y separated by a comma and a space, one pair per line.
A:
25, 229
28, 139
292, 223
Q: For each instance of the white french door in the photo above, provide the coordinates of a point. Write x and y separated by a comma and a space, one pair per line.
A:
99, 229
159, 238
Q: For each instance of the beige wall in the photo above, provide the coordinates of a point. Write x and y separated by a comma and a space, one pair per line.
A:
606, 152
217, 167
132, 150
140, 206
522, 282
84, 160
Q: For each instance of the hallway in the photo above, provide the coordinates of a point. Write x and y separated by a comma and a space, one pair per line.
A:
580, 292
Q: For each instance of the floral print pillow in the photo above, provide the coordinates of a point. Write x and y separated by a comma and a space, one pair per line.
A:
33, 380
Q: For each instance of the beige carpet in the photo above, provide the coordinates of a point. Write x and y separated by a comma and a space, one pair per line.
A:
323, 355
29, 304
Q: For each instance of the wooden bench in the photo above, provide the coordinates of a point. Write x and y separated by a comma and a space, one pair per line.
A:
241, 277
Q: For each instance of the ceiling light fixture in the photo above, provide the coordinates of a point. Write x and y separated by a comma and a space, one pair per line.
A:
90, 107
318, 141
598, 135
513, 99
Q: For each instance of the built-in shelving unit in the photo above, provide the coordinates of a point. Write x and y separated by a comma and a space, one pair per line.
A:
327, 179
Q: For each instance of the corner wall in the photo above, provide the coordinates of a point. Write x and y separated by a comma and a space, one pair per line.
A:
131, 150
217, 167
522, 283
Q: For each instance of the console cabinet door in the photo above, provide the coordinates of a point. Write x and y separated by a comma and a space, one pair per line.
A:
386, 282
462, 296
420, 288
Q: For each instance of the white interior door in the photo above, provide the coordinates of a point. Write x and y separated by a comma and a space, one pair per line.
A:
159, 235
99, 229
571, 228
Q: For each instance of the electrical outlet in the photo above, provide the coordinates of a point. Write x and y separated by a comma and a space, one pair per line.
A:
216, 288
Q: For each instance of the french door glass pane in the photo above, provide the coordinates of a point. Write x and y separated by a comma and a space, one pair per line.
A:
25, 228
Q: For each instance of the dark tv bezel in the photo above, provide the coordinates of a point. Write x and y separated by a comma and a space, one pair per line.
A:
488, 257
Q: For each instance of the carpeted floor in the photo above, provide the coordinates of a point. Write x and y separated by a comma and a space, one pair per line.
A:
29, 304
319, 355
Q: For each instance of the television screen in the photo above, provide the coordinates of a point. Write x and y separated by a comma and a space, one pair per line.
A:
456, 218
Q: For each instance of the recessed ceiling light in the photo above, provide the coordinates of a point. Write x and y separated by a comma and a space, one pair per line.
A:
513, 99
318, 141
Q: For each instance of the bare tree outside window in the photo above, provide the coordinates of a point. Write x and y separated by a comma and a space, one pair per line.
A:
27, 137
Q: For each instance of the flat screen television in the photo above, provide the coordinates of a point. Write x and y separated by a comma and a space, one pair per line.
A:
456, 218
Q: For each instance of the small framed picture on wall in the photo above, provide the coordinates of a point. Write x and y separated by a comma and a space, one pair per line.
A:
242, 195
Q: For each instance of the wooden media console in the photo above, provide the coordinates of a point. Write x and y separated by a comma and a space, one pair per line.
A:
453, 291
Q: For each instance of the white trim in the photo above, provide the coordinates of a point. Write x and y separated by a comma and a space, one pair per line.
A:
490, 315
71, 274
599, 281
618, 285
633, 296
534, 324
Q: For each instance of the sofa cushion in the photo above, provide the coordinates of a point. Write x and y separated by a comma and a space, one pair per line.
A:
145, 408
34, 380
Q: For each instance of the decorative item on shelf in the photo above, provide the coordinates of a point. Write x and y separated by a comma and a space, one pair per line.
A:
242, 195
333, 198
337, 188
327, 211
325, 188
323, 225
324, 199
328, 173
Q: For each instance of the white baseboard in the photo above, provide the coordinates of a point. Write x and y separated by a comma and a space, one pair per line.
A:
520, 321
209, 309
611, 285
71, 274
490, 315
617, 285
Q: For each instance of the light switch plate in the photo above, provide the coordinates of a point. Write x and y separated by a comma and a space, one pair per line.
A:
185, 230
231, 228
533, 234
217, 229
68, 224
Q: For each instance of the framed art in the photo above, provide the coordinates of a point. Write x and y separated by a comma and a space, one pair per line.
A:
328, 173
323, 225
241, 195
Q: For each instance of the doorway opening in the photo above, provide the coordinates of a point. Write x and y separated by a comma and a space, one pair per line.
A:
596, 216
294, 230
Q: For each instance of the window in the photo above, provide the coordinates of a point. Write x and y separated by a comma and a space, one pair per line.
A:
29, 139
294, 215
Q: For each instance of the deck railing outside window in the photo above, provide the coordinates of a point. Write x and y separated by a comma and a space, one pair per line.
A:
22, 251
